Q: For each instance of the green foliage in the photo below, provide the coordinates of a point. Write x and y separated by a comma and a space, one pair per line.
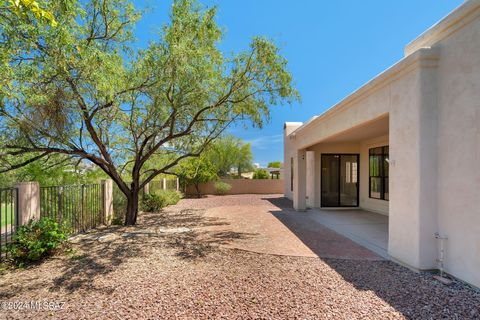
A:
53, 172
117, 221
160, 199
36, 240
85, 90
194, 171
222, 187
275, 164
230, 152
261, 174
25, 8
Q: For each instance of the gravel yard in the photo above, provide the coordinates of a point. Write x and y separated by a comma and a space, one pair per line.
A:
179, 265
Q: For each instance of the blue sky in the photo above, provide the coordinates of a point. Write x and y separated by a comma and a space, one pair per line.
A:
333, 47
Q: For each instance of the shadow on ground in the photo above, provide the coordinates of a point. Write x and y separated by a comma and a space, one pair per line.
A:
414, 295
94, 258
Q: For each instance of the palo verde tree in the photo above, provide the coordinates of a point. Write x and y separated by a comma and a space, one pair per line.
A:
80, 90
194, 171
230, 152
28, 10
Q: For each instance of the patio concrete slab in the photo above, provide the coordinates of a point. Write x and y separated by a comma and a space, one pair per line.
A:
275, 228
366, 228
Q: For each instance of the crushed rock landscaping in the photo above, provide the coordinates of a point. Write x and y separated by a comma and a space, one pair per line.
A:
174, 265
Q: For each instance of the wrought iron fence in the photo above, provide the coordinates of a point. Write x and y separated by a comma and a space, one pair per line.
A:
79, 207
8, 218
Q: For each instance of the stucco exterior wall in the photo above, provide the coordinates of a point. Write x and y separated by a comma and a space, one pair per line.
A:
289, 149
432, 100
459, 149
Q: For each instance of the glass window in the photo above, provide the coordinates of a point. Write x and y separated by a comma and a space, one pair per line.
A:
376, 187
378, 172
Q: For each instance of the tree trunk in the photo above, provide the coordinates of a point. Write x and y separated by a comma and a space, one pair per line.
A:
132, 208
197, 187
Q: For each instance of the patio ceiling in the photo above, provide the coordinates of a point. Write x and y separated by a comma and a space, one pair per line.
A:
367, 130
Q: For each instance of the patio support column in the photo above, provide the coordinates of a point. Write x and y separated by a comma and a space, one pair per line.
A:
310, 179
300, 181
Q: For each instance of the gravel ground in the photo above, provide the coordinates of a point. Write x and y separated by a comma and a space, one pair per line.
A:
148, 273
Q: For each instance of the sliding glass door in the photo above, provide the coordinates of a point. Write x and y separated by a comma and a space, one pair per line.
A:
339, 180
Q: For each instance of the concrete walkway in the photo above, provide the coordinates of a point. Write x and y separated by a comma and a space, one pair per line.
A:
366, 228
273, 227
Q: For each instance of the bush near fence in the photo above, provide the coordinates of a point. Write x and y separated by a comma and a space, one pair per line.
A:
78, 207
120, 200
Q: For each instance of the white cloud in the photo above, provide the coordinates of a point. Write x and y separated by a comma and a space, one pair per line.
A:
265, 142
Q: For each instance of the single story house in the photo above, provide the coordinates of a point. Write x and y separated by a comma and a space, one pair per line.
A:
405, 145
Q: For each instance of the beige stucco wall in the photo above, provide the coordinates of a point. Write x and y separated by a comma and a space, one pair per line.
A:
289, 149
243, 186
459, 149
311, 179
432, 99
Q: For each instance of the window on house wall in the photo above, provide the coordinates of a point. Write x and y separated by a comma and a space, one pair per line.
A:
291, 174
378, 172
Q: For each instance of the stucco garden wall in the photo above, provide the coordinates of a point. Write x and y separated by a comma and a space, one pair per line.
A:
243, 186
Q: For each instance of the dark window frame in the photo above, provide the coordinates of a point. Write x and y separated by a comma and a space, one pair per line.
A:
339, 173
383, 176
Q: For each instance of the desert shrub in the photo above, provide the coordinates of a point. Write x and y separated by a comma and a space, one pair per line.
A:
157, 200
36, 240
260, 174
222, 187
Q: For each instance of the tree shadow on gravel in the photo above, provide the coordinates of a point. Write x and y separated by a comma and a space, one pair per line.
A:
155, 234
197, 242
414, 295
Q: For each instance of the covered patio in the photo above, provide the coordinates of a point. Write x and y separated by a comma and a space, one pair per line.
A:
366, 228
342, 179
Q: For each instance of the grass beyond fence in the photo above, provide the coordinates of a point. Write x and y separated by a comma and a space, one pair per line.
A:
8, 217
7, 214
